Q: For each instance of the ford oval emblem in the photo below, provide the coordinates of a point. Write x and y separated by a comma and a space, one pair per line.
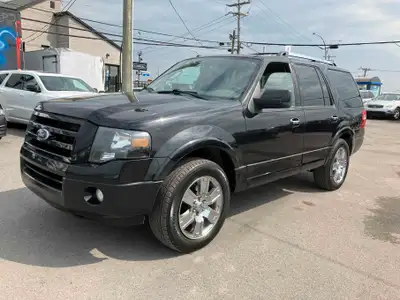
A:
42, 134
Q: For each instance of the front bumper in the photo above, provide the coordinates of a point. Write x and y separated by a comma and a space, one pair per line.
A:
381, 112
67, 186
3, 126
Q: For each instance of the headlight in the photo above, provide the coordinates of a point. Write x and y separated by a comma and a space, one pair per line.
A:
110, 144
389, 105
1, 111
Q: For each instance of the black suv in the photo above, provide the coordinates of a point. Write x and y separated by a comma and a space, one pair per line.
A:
205, 128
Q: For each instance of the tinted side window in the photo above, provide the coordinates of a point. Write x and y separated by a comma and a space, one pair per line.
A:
15, 81
310, 87
346, 88
2, 77
327, 97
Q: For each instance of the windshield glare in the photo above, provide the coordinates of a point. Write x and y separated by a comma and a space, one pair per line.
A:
211, 77
65, 84
389, 97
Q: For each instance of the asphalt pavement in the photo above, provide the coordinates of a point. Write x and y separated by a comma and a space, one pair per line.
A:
286, 240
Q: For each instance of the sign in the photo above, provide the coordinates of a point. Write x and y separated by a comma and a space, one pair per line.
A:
139, 66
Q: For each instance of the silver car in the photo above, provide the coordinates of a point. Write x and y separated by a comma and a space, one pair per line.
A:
385, 105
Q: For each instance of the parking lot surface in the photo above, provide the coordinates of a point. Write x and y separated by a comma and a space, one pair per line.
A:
286, 240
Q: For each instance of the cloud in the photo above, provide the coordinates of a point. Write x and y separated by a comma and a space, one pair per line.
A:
268, 21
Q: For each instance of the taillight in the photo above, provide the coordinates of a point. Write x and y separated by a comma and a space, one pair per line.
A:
363, 118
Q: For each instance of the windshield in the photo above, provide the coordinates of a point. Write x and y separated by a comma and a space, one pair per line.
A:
59, 83
224, 78
389, 97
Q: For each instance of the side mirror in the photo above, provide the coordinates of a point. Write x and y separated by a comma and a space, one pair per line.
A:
273, 99
33, 88
96, 90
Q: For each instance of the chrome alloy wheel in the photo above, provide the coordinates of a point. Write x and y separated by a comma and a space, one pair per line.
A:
339, 166
200, 207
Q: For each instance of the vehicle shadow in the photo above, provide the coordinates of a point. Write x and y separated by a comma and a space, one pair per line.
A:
16, 129
33, 233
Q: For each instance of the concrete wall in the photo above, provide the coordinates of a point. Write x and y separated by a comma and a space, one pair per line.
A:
95, 47
43, 12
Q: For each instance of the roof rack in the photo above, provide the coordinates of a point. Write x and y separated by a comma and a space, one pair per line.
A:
299, 56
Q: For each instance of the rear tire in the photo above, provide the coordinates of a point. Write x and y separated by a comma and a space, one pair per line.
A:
396, 114
179, 204
332, 175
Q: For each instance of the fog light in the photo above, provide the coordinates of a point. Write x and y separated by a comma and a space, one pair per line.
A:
99, 195
93, 196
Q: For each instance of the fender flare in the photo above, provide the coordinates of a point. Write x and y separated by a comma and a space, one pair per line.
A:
341, 132
175, 149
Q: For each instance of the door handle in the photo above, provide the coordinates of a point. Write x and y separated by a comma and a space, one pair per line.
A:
295, 121
334, 118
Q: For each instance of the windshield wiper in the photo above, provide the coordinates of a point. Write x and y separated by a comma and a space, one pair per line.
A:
180, 92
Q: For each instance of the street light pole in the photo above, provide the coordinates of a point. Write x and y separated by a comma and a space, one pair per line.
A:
325, 49
127, 48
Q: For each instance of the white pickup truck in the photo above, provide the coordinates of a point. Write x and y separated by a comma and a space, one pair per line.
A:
21, 90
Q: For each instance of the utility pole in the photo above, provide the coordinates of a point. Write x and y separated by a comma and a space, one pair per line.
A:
238, 15
140, 60
127, 47
232, 37
365, 70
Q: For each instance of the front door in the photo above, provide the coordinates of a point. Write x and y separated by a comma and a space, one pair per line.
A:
274, 136
321, 114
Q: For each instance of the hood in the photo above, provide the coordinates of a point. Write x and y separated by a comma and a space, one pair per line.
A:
383, 102
116, 110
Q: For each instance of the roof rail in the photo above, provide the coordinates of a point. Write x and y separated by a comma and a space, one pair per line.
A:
299, 56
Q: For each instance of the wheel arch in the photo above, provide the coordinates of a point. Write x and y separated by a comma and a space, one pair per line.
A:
348, 135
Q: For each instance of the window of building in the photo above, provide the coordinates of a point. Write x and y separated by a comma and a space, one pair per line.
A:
52, 5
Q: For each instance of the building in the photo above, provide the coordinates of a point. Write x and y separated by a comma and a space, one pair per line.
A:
45, 25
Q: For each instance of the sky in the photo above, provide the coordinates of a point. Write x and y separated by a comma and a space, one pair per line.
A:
267, 21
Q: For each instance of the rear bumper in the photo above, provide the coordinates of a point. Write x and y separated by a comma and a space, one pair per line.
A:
121, 201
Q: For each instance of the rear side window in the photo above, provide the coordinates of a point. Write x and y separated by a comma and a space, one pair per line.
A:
346, 88
310, 86
2, 77
16, 81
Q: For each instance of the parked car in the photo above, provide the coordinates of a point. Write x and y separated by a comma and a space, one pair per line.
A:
367, 95
175, 156
385, 105
20, 91
3, 123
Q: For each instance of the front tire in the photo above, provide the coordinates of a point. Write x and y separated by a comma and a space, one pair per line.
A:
191, 206
332, 175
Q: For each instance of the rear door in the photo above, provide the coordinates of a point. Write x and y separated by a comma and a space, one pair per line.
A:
321, 114
12, 93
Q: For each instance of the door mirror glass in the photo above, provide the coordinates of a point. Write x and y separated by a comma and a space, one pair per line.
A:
273, 98
33, 88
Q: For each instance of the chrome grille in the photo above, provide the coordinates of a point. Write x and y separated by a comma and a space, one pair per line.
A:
61, 132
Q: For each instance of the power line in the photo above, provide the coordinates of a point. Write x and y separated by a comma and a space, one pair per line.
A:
183, 22
141, 41
297, 33
45, 28
198, 29
328, 45
114, 34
